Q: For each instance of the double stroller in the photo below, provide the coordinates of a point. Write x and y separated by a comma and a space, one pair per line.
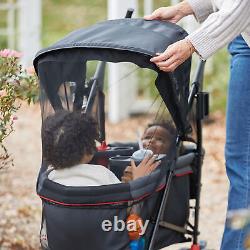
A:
73, 216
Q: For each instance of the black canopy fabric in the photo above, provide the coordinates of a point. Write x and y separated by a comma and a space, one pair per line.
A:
121, 40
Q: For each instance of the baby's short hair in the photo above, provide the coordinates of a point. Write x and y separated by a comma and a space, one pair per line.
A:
66, 137
169, 126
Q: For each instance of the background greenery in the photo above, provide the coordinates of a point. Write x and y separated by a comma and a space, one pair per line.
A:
62, 16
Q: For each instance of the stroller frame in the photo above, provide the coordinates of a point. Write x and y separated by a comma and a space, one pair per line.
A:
202, 107
196, 157
193, 157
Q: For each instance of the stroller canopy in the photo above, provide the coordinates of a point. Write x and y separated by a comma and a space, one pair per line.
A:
121, 40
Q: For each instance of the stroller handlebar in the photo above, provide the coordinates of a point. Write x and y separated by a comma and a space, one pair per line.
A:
129, 13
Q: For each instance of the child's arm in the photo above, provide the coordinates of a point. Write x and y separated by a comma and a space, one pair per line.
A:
147, 165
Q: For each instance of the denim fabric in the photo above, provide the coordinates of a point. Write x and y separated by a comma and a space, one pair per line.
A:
237, 150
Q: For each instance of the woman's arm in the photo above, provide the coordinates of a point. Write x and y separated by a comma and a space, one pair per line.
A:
221, 27
201, 9
218, 29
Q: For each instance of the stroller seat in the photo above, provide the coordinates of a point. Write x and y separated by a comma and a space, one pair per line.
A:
73, 217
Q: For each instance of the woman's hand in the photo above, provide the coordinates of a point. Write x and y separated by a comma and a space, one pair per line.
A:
172, 14
147, 165
174, 55
180, 51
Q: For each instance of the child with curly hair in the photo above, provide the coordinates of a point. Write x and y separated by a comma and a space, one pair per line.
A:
68, 144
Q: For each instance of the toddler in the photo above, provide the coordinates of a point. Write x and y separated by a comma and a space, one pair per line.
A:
68, 144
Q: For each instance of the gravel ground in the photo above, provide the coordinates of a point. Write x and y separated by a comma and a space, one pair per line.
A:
20, 207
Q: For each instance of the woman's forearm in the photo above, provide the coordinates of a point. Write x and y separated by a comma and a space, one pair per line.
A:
221, 27
185, 8
201, 8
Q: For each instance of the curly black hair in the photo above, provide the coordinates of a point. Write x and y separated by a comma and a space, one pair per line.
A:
66, 137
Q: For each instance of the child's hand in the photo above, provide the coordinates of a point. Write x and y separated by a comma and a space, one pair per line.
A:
147, 166
127, 174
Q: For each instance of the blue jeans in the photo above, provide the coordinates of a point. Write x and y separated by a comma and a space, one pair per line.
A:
237, 150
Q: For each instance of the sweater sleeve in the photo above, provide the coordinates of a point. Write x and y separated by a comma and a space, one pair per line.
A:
112, 178
221, 27
201, 8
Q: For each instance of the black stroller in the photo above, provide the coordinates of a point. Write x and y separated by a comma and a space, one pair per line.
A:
73, 215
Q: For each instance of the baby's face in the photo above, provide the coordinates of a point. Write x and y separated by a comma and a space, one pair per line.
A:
156, 138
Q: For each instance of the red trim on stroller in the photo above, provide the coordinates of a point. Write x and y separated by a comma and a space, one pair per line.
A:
183, 174
98, 204
195, 247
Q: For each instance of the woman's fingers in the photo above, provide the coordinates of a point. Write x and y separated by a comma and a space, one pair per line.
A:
171, 67
152, 16
170, 64
170, 14
157, 14
174, 55
167, 62
160, 57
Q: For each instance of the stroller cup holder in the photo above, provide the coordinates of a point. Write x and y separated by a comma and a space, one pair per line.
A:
117, 164
102, 157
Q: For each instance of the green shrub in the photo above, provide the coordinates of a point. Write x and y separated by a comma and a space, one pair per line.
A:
15, 83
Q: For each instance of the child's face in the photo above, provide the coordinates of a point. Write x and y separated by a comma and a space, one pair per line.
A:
156, 138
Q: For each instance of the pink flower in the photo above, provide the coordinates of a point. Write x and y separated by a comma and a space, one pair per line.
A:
30, 70
3, 93
10, 53
15, 118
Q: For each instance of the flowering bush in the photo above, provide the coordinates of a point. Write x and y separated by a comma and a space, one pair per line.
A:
15, 83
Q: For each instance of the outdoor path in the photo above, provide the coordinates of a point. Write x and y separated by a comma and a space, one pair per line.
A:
20, 207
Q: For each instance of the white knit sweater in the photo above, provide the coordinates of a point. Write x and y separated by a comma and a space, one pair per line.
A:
223, 20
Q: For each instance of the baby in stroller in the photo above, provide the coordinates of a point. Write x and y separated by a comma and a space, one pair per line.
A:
159, 137
69, 146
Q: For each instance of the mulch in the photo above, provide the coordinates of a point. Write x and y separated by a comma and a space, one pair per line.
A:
20, 208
